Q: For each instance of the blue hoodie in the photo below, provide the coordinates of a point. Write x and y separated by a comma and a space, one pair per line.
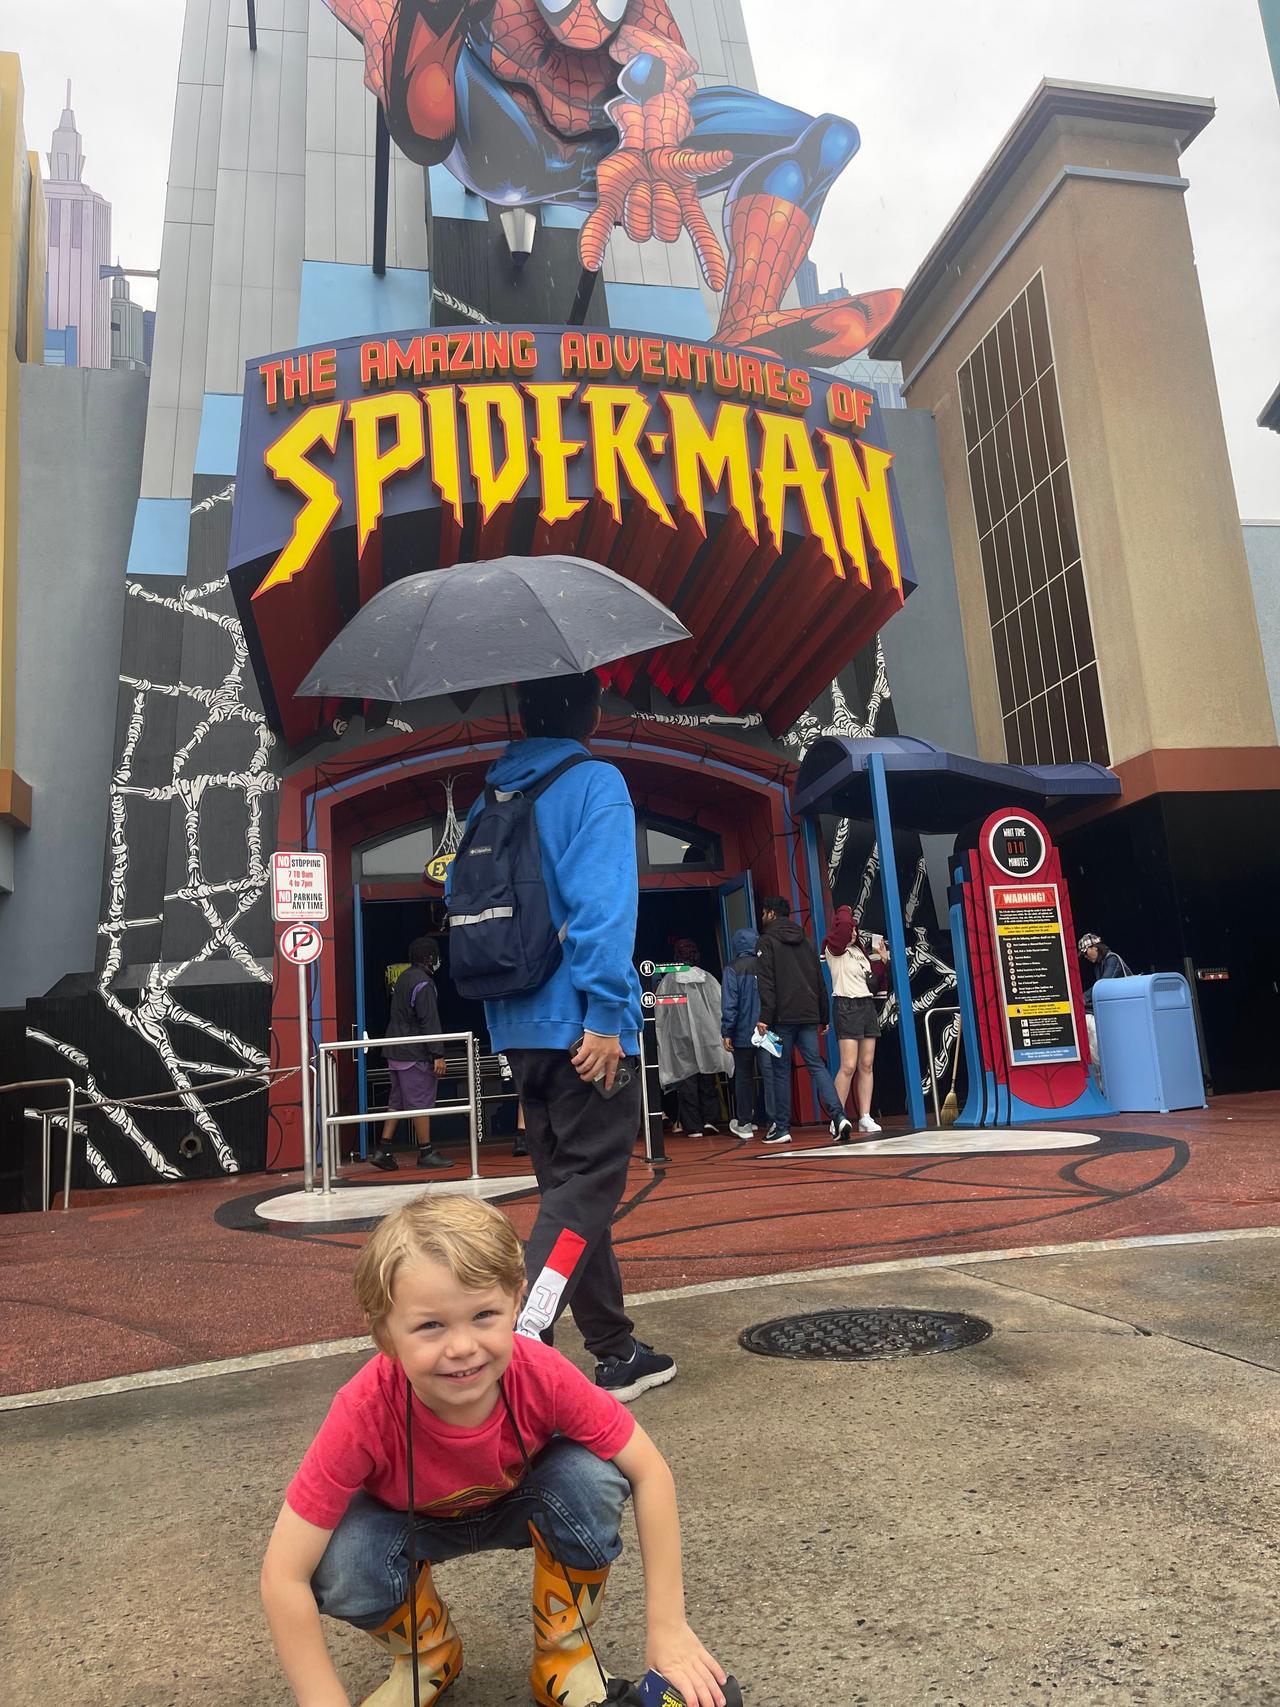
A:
740, 991
587, 831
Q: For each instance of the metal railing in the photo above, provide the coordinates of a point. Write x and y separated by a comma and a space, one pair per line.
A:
928, 1043
46, 1135
328, 1123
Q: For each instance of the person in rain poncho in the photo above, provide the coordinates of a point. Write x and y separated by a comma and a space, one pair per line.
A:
690, 1051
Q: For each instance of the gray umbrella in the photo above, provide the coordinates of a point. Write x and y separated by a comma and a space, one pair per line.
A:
514, 619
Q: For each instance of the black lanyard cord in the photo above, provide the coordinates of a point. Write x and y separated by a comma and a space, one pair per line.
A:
413, 1534
546, 1524
413, 1537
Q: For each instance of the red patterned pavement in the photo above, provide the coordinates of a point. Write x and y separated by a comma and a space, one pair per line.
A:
171, 1275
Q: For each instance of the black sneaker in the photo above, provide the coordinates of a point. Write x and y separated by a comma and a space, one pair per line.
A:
844, 1132
710, 1131
519, 1148
385, 1161
773, 1136
626, 1378
430, 1157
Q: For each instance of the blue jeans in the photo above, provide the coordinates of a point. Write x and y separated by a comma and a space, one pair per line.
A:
363, 1577
745, 1062
805, 1039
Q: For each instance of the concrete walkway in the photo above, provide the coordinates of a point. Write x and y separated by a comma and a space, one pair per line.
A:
1084, 1509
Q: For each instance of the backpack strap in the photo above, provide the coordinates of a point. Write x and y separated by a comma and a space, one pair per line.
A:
539, 788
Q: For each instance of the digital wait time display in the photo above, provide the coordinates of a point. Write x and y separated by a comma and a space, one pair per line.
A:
1035, 988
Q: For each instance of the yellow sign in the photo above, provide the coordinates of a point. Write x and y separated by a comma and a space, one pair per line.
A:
437, 869
1031, 1010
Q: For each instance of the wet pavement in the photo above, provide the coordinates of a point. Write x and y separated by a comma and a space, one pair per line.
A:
1085, 1508
172, 1275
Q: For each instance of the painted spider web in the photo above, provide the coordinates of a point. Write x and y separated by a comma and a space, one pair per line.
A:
222, 907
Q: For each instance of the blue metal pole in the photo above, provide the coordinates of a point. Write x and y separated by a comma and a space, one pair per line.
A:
895, 932
817, 913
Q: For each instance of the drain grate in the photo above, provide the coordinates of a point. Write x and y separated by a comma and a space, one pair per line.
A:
851, 1336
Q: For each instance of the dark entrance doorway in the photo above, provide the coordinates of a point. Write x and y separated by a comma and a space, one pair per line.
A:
666, 915
385, 928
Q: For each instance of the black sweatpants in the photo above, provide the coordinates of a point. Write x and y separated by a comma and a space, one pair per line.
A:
580, 1144
698, 1102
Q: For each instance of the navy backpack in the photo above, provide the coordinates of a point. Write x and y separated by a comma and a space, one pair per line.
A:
502, 941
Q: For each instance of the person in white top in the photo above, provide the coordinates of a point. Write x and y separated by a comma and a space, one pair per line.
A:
857, 1021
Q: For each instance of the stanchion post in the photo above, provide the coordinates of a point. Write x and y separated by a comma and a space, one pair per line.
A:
71, 1138
304, 1081
45, 1161
660, 1153
644, 1097
473, 1086
326, 1166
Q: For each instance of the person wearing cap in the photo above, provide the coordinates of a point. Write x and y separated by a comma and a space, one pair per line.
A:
856, 1020
1106, 963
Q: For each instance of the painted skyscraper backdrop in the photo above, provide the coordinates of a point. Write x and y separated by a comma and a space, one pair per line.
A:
79, 246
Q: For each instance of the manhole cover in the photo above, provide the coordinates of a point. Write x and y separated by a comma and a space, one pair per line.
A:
848, 1336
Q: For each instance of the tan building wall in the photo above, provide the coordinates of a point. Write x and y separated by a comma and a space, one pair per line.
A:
1087, 191
22, 247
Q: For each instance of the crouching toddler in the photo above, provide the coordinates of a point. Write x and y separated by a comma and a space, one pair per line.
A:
440, 1283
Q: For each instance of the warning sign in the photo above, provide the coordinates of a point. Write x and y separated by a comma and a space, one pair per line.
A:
1035, 984
299, 887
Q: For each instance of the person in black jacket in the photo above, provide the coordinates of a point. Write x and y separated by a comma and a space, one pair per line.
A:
415, 1012
793, 1003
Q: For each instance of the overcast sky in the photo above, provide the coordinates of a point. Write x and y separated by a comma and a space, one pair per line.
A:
932, 85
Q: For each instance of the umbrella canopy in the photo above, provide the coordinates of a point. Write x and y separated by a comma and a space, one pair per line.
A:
478, 625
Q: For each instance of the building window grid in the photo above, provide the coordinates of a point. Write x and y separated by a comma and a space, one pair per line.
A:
1020, 483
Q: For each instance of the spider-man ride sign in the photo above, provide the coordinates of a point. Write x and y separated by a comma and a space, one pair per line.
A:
752, 496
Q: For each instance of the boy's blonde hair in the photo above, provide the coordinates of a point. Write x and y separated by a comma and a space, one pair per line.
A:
473, 1240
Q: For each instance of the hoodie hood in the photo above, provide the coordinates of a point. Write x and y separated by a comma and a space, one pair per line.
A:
527, 762
842, 932
785, 930
744, 942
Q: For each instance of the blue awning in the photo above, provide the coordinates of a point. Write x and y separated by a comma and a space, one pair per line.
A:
935, 792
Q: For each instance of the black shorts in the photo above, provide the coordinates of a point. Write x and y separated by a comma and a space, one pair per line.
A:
856, 1017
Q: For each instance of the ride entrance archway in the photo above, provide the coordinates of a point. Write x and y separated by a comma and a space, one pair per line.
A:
714, 823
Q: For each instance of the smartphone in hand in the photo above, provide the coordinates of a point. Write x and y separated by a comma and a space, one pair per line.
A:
621, 1079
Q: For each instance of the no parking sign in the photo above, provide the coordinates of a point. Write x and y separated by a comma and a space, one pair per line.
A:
301, 944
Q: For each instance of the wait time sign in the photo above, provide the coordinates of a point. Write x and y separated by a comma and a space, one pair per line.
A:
1035, 983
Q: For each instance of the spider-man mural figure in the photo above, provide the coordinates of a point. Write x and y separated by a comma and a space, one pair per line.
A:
593, 103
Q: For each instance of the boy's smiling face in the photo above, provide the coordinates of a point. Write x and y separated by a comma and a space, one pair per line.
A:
454, 1344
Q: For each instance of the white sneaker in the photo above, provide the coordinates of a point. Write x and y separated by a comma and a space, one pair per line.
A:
742, 1129
866, 1124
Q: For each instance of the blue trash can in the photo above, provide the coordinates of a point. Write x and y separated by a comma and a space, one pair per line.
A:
1147, 1047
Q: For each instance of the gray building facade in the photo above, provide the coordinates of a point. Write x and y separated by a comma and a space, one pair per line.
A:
268, 245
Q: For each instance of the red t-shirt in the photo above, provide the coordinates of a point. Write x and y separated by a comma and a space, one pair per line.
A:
361, 1442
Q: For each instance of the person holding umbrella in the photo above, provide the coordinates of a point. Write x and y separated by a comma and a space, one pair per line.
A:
573, 1043
572, 1035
